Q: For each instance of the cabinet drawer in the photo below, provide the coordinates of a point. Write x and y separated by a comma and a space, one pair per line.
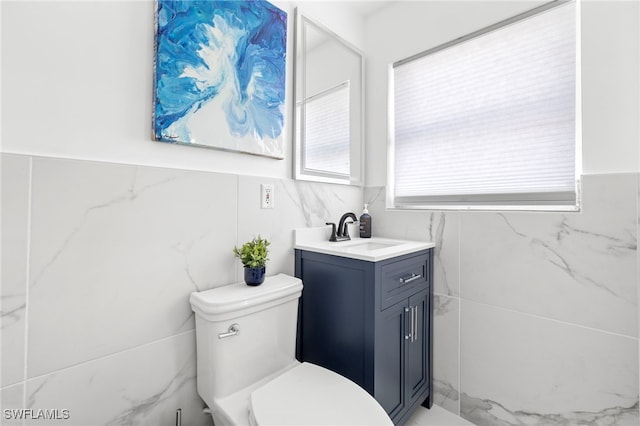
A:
401, 279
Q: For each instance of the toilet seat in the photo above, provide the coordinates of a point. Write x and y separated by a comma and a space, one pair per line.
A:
312, 395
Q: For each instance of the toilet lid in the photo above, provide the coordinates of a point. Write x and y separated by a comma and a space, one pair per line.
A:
312, 395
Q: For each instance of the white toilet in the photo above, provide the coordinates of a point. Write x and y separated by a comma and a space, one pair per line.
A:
247, 371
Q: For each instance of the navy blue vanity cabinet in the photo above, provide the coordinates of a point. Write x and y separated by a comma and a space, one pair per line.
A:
372, 323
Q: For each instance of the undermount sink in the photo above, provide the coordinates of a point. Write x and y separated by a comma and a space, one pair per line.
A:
370, 249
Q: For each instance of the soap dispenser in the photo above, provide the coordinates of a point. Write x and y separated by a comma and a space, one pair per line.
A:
365, 223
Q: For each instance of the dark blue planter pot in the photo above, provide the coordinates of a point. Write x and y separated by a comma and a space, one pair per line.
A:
254, 276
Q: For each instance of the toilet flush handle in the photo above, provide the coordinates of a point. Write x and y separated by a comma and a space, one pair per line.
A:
233, 331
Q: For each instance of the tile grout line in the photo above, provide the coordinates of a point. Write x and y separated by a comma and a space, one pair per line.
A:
236, 277
542, 317
459, 318
573, 324
102, 357
638, 257
27, 285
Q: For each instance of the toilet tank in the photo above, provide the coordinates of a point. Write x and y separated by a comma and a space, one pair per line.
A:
266, 317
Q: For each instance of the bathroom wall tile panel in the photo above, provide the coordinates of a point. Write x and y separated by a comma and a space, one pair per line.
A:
422, 225
141, 386
15, 214
519, 369
297, 204
11, 399
576, 267
116, 252
446, 311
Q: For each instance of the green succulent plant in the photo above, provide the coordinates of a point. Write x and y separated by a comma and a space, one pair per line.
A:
253, 254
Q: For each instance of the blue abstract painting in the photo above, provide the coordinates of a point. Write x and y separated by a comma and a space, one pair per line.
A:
220, 75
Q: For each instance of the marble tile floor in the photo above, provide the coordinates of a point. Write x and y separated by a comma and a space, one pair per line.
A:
436, 416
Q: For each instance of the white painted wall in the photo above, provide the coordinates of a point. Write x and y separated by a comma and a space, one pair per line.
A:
610, 81
77, 81
341, 17
610, 52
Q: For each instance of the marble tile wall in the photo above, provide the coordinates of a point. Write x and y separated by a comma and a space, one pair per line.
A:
518, 368
536, 313
98, 262
585, 261
15, 174
11, 397
536, 317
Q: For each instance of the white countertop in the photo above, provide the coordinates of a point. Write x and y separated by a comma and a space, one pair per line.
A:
370, 249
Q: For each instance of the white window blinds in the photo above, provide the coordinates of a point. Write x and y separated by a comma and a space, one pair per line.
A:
490, 121
326, 127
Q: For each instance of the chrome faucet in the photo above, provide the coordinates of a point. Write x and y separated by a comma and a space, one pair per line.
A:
342, 233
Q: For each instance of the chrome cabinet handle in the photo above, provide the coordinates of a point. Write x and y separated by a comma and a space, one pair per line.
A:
233, 331
408, 336
413, 277
414, 323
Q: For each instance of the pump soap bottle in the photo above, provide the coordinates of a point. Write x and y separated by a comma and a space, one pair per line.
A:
365, 223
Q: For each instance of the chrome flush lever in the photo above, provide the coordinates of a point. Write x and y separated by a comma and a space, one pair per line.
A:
233, 331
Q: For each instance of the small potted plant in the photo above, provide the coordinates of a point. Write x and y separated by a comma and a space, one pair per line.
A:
253, 255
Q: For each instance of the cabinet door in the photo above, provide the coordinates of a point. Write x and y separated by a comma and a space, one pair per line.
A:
390, 383
334, 317
417, 372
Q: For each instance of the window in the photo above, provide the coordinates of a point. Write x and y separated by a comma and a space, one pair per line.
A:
491, 120
327, 128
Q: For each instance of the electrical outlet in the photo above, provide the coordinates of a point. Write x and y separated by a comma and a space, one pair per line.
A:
266, 197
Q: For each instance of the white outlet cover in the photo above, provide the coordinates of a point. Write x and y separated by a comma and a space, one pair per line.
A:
266, 195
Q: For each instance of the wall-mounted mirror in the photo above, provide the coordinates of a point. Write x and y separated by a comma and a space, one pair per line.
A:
329, 93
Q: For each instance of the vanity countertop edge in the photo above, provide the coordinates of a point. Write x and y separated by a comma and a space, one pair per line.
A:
372, 249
